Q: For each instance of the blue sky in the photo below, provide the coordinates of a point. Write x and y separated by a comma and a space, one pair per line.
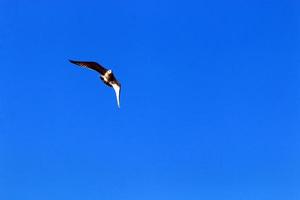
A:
209, 103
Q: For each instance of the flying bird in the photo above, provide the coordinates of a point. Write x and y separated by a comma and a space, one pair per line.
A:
106, 75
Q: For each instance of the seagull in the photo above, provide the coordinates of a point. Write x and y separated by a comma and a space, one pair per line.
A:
106, 75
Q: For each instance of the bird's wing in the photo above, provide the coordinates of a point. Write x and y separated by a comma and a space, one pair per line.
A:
91, 65
117, 88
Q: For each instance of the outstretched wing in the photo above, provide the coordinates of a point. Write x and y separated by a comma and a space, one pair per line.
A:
92, 65
117, 87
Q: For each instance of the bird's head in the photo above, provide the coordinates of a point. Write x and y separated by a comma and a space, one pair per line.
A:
109, 71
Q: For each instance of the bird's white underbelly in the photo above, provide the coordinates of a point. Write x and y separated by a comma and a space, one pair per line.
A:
104, 78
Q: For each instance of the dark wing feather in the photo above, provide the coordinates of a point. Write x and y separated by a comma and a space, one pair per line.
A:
92, 65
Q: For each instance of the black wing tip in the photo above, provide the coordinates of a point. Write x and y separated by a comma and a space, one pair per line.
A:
72, 61
76, 62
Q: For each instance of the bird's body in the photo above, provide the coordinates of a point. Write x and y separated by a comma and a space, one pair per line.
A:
106, 76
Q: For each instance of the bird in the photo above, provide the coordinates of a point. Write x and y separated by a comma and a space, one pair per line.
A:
106, 75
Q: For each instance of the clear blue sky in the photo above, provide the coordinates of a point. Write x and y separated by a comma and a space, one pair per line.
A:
209, 105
